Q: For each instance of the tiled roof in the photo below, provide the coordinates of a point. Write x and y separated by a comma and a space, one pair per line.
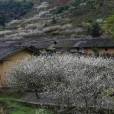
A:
10, 47
95, 43
8, 50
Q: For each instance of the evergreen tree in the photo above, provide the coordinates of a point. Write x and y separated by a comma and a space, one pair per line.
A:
95, 30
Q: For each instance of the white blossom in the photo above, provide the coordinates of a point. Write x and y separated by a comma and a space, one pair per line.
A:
72, 80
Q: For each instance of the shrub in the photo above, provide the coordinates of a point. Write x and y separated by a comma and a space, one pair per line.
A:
95, 30
109, 25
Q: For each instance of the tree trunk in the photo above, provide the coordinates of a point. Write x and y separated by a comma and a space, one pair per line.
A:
86, 105
36, 94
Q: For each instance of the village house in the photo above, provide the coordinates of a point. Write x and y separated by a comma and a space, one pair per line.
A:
14, 52
11, 54
89, 47
96, 47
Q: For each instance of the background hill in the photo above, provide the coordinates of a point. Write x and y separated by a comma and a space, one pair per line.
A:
53, 18
13, 9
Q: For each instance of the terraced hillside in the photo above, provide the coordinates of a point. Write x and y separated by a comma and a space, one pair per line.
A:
57, 19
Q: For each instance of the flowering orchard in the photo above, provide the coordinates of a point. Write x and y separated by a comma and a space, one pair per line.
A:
72, 80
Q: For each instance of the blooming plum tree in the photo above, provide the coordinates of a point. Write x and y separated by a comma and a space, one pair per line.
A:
73, 80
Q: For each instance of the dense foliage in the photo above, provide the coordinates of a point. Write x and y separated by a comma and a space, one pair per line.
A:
109, 25
90, 3
70, 80
94, 29
13, 9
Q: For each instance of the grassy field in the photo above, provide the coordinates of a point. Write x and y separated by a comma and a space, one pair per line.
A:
9, 105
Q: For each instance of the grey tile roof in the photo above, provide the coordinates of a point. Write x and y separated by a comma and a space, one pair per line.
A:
95, 43
10, 47
41, 45
73, 43
65, 43
8, 50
